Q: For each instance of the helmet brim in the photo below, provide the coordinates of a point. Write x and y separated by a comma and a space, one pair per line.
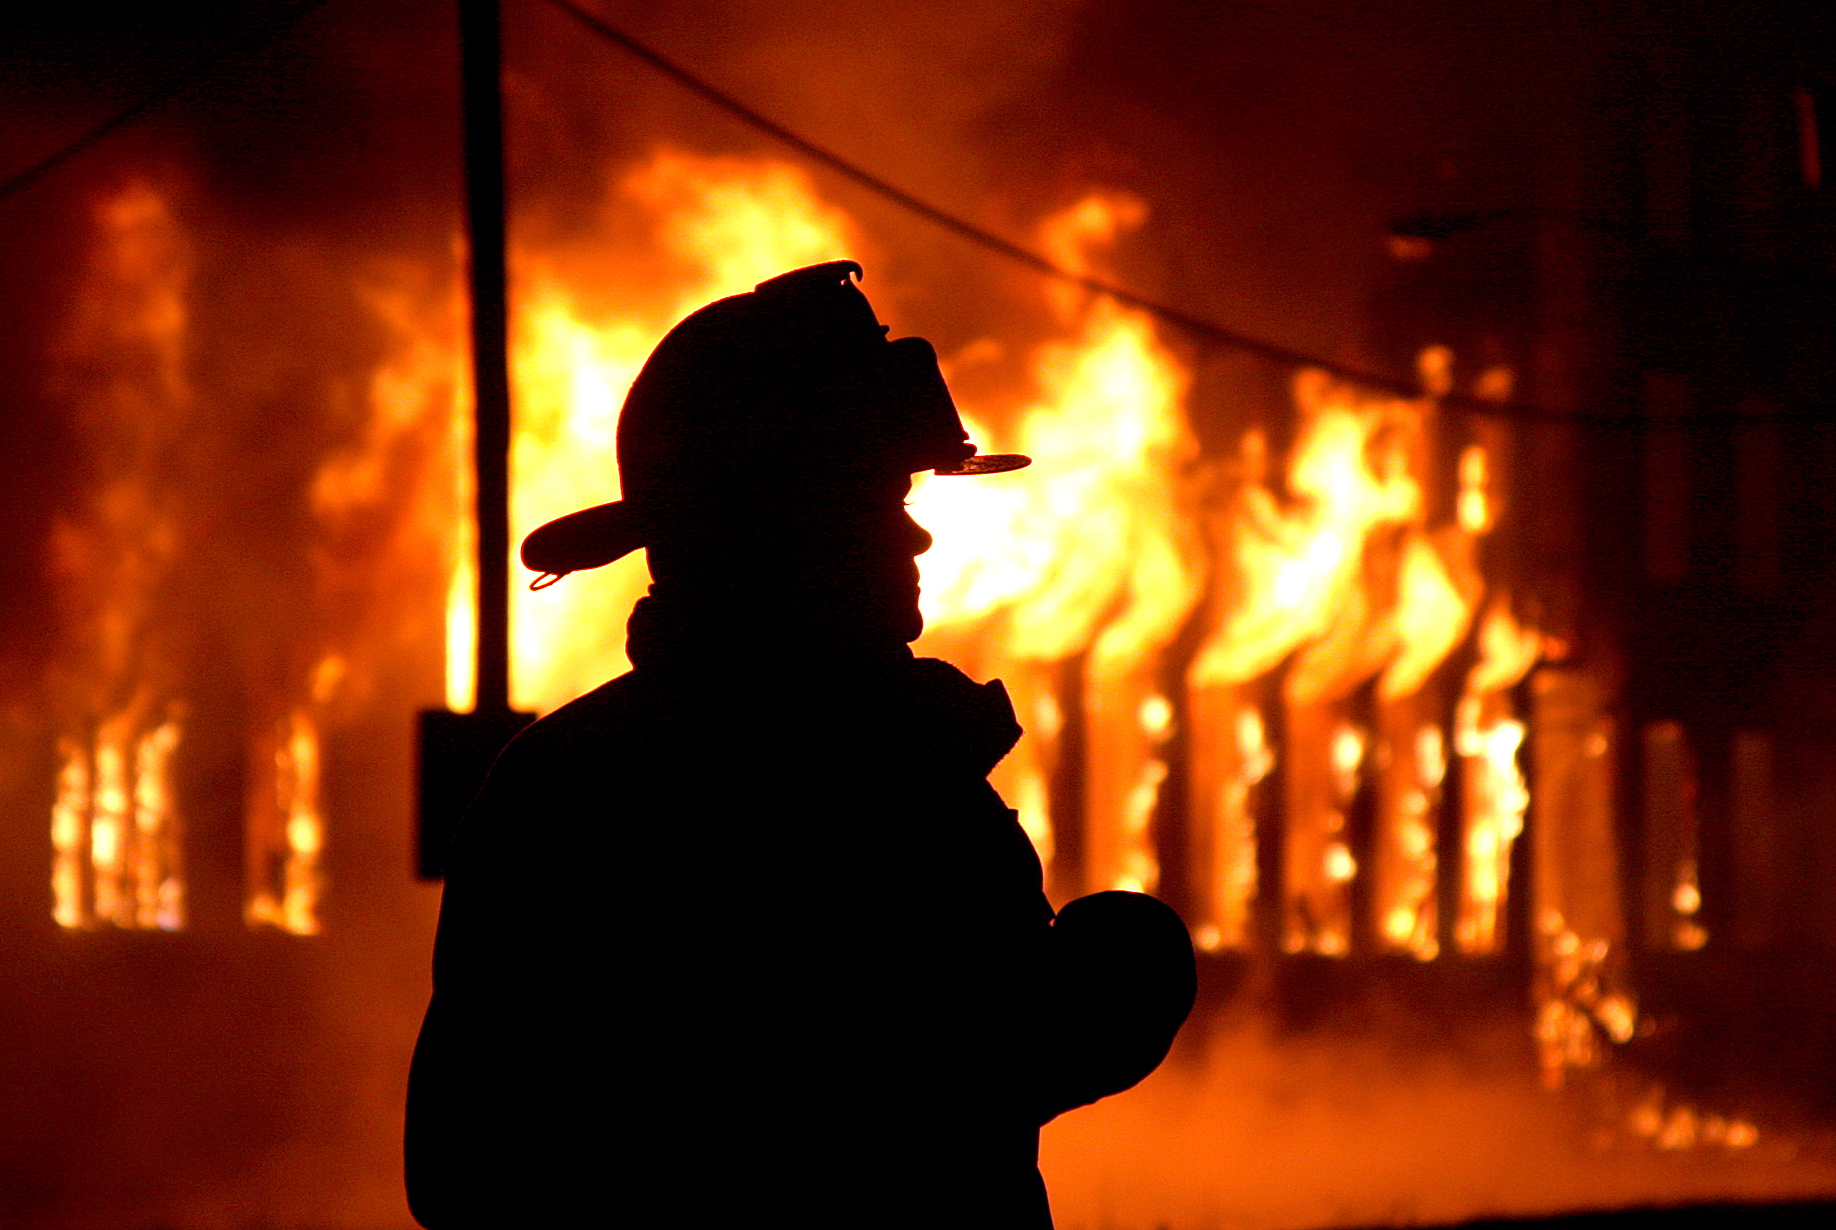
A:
597, 536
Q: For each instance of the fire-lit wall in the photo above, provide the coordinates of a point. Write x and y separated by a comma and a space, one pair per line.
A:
1480, 735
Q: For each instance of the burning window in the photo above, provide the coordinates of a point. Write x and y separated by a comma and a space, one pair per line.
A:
196, 584
116, 835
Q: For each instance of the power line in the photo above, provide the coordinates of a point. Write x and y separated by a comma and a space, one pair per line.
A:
1196, 325
1178, 317
256, 39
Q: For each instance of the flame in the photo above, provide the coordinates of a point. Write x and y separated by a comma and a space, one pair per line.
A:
1091, 551
462, 622
1687, 932
159, 891
110, 818
1293, 583
1225, 775
1345, 583
116, 819
121, 364
1474, 509
69, 817
1487, 735
1408, 859
1097, 520
1290, 577
286, 827
114, 832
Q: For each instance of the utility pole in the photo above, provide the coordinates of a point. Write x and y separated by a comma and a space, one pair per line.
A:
457, 749
480, 68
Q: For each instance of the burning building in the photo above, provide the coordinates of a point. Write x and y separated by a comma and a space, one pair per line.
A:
1475, 720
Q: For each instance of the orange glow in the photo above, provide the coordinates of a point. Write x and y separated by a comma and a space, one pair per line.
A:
1233, 758
285, 828
1487, 736
1093, 551
1408, 861
159, 890
69, 818
115, 831
1093, 556
462, 623
1687, 932
1345, 583
110, 821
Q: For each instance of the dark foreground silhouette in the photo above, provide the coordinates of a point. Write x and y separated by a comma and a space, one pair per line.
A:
745, 935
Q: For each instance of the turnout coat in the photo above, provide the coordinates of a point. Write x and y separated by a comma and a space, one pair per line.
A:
726, 939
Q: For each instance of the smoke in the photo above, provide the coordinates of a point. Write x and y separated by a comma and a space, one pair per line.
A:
1387, 1116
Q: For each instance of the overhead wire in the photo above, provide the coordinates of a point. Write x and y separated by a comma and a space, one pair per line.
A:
255, 39
1189, 322
1186, 321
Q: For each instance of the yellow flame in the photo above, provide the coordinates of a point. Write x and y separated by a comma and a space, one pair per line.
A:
1094, 522
1092, 549
1292, 575
1437, 593
1345, 582
114, 828
1407, 859
462, 625
1231, 757
1507, 650
69, 819
110, 816
1474, 505
1496, 795
160, 890
286, 828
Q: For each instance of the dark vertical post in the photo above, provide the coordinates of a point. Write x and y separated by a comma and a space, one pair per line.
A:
1519, 921
1362, 935
1066, 785
1269, 911
484, 202
458, 749
1450, 826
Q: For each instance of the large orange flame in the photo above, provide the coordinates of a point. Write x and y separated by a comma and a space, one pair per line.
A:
1090, 552
1346, 585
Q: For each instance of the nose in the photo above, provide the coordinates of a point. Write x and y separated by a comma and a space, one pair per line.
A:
918, 539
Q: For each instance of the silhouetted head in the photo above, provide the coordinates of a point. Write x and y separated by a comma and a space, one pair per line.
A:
765, 452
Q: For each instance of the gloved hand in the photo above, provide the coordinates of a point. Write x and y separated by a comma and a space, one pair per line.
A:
1123, 981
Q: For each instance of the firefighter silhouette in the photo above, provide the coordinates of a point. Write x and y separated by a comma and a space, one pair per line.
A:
745, 933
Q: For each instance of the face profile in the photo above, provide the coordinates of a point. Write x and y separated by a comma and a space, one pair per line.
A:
851, 566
